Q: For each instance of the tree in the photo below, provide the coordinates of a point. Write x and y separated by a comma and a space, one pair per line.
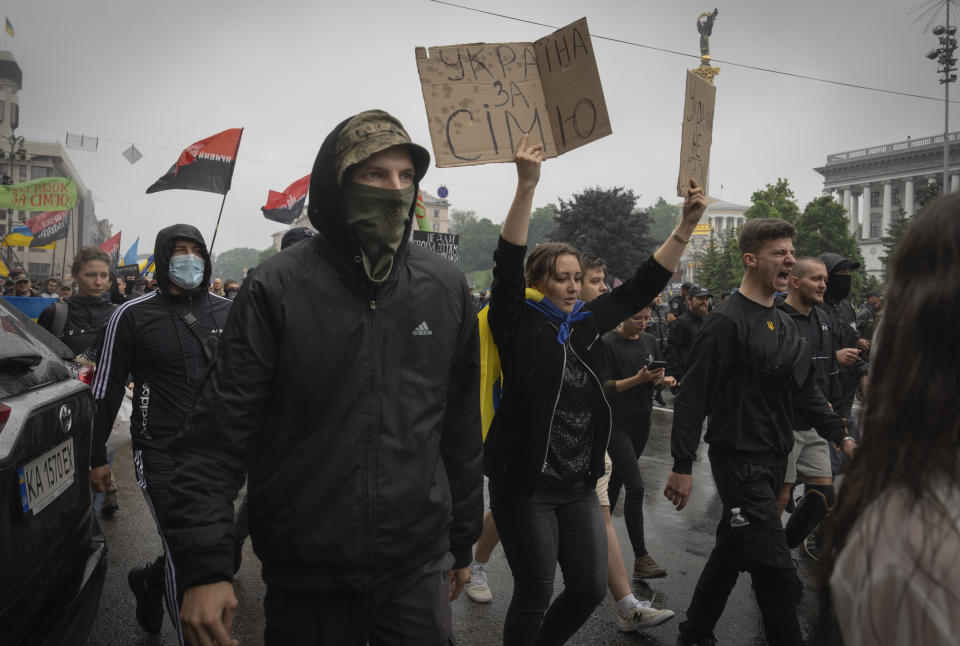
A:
459, 219
266, 253
231, 263
478, 241
603, 221
898, 226
543, 222
774, 201
713, 266
664, 217
823, 226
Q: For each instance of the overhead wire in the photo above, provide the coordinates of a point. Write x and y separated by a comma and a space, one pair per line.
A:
665, 50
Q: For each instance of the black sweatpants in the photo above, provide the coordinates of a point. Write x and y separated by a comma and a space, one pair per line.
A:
411, 609
759, 548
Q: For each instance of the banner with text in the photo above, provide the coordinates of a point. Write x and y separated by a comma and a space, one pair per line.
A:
445, 244
48, 227
482, 98
46, 194
697, 134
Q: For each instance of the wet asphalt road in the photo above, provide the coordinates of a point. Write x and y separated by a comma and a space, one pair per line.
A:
679, 541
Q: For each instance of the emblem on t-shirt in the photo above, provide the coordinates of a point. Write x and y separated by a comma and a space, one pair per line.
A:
770, 325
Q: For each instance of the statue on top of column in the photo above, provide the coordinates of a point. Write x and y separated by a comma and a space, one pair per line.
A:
705, 27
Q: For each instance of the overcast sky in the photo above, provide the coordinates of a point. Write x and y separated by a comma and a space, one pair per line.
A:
162, 75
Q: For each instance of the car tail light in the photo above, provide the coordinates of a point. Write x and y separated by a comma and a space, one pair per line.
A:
86, 375
4, 414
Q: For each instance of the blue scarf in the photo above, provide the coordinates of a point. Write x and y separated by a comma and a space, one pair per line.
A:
555, 315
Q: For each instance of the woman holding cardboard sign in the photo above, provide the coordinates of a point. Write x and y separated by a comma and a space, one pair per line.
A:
544, 451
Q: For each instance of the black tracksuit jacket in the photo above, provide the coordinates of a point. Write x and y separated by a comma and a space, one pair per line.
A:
146, 339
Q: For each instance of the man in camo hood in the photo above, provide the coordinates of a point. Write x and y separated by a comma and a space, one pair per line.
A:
346, 386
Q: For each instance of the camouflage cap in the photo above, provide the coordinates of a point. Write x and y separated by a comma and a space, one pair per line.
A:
373, 131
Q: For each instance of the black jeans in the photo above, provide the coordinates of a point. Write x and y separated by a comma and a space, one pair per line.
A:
759, 548
412, 609
561, 524
626, 445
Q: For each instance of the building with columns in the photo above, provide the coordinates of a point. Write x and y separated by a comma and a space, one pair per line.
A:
873, 183
723, 219
22, 160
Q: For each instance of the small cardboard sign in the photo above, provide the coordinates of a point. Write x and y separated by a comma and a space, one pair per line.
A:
481, 98
445, 244
698, 105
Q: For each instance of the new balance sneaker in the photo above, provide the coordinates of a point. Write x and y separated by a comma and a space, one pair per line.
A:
477, 588
641, 616
149, 599
646, 568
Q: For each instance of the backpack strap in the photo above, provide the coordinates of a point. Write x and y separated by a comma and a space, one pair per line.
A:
59, 319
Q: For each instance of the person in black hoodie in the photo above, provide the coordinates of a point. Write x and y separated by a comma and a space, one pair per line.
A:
847, 343
162, 340
347, 386
752, 374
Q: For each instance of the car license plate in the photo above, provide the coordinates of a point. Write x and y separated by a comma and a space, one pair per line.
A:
43, 479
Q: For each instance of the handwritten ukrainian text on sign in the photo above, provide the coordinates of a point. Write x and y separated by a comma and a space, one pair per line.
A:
445, 244
698, 106
482, 98
47, 194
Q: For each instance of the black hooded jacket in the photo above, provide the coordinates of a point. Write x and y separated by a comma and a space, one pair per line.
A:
86, 318
145, 338
354, 407
843, 326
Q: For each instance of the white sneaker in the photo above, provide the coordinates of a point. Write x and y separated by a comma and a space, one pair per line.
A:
477, 588
641, 616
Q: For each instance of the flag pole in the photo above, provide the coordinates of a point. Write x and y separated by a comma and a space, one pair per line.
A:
217, 227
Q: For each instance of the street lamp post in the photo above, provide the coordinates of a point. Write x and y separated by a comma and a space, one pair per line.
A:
944, 57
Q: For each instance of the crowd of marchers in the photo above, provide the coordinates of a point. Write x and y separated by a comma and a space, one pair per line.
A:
351, 382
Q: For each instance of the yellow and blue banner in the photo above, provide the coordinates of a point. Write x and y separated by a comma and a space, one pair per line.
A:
22, 236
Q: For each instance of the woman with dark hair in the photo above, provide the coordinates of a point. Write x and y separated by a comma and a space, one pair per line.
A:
545, 447
892, 552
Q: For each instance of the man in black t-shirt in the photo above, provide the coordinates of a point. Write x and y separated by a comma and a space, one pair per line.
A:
685, 329
751, 372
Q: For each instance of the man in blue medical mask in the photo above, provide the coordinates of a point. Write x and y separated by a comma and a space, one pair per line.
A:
165, 340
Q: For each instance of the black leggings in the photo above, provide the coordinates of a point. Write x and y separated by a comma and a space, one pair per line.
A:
562, 525
626, 445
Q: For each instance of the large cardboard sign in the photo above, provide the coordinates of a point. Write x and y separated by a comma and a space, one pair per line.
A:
445, 244
698, 105
481, 98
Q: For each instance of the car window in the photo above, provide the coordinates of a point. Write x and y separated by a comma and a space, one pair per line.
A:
29, 355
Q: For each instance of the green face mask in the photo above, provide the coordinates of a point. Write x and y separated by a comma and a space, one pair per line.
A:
378, 218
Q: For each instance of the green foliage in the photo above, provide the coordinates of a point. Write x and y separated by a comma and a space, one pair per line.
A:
543, 222
481, 279
603, 221
720, 270
774, 201
823, 227
478, 241
664, 217
898, 226
231, 263
459, 219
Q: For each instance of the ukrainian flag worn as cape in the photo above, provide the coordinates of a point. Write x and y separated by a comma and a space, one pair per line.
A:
491, 378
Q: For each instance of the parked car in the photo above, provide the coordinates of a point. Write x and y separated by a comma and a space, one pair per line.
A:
52, 551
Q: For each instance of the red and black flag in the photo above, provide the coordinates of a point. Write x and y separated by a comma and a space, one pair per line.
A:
287, 206
112, 247
48, 227
204, 166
